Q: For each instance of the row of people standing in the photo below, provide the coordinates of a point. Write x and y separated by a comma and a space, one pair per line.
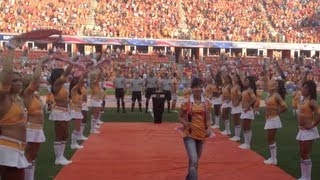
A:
239, 96
235, 95
149, 85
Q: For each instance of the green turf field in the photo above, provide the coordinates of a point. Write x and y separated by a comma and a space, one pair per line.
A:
288, 152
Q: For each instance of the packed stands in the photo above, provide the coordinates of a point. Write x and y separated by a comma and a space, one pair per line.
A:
294, 21
20, 16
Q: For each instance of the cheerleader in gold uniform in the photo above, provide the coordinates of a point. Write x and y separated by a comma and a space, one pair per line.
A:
248, 99
308, 119
34, 105
96, 99
274, 106
60, 113
76, 109
13, 121
216, 100
208, 92
84, 111
236, 108
226, 104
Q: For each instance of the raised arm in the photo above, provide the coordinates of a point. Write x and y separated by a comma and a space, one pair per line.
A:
35, 81
5, 82
5, 77
58, 84
99, 75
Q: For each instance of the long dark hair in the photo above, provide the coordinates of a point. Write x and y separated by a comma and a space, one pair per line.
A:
196, 82
229, 78
312, 87
217, 79
74, 81
239, 82
282, 89
55, 74
252, 83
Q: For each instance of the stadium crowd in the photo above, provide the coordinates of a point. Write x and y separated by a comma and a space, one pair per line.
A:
294, 21
68, 99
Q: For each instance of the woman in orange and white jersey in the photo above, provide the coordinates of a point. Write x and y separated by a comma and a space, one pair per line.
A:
96, 99
236, 107
274, 106
226, 103
195, 118
248, 98
34, 105
60, 113
13, 119
76, 109
308, 119
216, 99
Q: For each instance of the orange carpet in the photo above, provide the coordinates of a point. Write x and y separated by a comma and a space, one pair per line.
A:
146, 151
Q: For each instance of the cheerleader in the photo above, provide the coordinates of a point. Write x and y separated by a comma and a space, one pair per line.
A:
13, 121
76, 109
216, 100
274, 106
308, 119
236, 108
96, 99
34, 105
226, 103
84, 109
208, 91
60, 113
248, 98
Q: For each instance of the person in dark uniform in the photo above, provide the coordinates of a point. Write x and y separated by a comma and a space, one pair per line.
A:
150, 86
120, 89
